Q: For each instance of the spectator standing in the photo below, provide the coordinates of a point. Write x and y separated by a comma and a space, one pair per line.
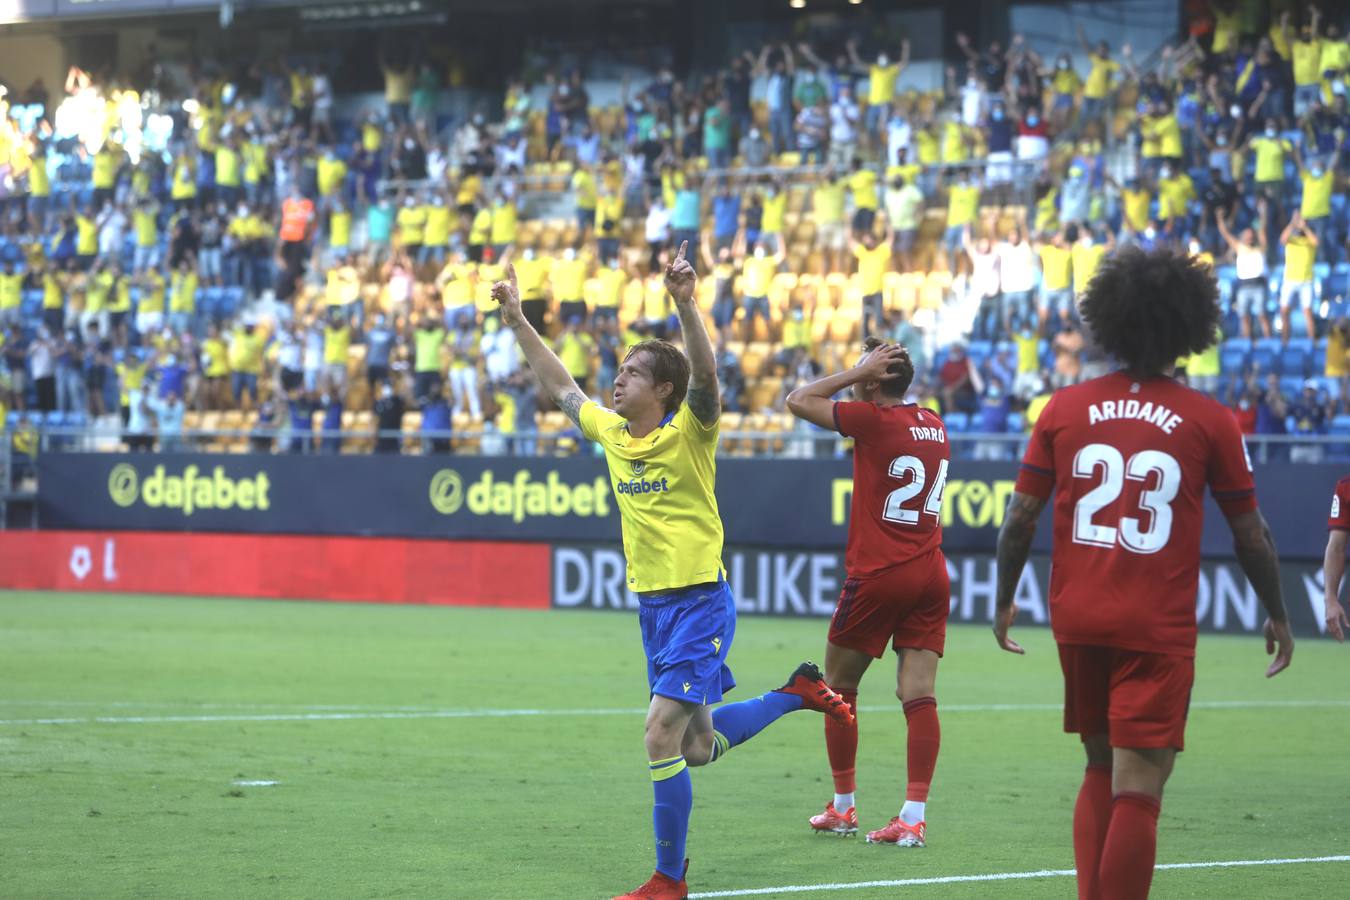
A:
388, 418
169, 411
1300, 253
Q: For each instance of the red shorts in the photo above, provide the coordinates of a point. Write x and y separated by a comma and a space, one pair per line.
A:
1139, 700
906, 605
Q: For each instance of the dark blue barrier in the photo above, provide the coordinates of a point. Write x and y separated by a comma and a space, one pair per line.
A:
768, 503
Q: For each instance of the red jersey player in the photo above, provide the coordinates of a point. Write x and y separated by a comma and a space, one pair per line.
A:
1128, 456
897, 591
1333, 564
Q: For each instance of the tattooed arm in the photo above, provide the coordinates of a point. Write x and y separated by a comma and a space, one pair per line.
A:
704, 398
547, 367
1255, 549
1014, 544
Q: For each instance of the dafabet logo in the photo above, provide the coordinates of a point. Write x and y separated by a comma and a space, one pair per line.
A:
518, 497
189, 491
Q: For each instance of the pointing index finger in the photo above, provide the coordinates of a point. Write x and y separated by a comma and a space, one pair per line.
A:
511, 273
684, 245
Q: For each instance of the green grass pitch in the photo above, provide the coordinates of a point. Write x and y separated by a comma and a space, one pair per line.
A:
420, 803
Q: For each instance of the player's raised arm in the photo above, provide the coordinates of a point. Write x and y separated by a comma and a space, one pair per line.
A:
1254, 547
1014, 545
813, 402
547, 367
704, 399
1333, 570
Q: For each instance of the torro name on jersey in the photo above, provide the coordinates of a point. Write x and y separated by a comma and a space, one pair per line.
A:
925, 433
1147, 411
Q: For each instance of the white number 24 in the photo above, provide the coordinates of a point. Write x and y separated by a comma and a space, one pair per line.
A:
1115, 470
912, 466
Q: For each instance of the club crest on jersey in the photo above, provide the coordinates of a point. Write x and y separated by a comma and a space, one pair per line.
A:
687, 686
717, 641
639, 467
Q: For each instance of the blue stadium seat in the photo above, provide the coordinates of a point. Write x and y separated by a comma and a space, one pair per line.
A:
1264, 353
55, 418
1292, 385
1295, 356
1016, 423
12, 419
76, 419
1233, 355
956, 421
979, 351
1319, 359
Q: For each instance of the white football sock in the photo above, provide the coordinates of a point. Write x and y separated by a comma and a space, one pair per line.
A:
843, 803
912, 812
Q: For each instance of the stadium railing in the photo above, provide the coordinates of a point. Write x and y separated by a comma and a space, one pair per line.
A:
786, 444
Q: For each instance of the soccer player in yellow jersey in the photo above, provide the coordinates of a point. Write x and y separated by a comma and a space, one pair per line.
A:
659, 441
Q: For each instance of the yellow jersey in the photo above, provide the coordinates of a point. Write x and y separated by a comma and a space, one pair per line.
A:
568, 278
119, 298
227, 166
1317, 195
504, 223
1135, 205
152, 294
1086, 259
827, 201
532, 275
335, 344
757, 274
147, 231
1270, 153
775, 210
1028, 352
183, 293
1299, 255
606, 289
339, 228
53, 296
437, 232
11, 290
1098, 83
105, 168
663, 485
872, 267
881, 84
246, 352
457, 291
963, 203
481, 229
412, 223
216, 358
863, 185
330, 174
39, 182
1307, 62
488, 274
96, 292
608, 216
86, 236
1055, 262
1173, 195
583, 187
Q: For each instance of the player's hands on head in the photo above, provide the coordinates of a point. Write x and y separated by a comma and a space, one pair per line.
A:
507, 295
680, 277
1003, 620
1337, 622
1280, 644
875, 366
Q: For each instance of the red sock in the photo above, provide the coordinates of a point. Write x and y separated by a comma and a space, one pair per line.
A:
1131, 846
841, 743
1091, 818
925, 735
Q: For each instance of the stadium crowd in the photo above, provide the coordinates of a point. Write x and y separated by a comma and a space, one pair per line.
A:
227, 251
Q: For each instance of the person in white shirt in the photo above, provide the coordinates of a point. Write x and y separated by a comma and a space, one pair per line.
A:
844, 117
657, 230
501, 354
899, 133
1017, 278
984, 286
323, 108
112, 230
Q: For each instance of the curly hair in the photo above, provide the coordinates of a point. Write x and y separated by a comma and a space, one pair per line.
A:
1149, 309
904, 368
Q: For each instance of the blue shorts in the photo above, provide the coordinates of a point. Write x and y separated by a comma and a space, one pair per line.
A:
687, 635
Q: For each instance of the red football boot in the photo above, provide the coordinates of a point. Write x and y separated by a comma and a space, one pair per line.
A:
809, 684
831, 821
660, 887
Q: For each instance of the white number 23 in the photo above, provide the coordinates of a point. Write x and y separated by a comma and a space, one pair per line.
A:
1131, 533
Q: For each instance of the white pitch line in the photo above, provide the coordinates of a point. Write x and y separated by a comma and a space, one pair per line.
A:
320, 716
1003, 876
